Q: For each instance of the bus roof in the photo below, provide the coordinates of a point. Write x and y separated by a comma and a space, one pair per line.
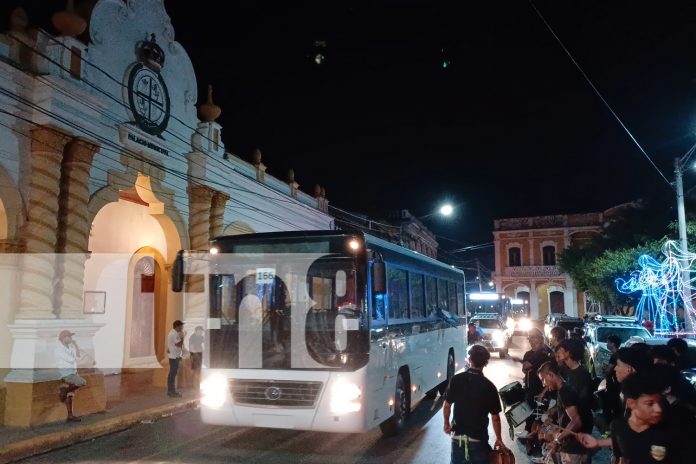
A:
369, 239
372, 240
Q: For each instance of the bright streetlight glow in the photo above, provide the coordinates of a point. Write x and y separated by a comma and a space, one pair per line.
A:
446, 210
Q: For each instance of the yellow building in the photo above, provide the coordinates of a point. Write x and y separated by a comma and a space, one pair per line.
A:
526, 266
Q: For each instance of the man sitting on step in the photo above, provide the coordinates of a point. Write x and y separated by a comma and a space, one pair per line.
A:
66, 356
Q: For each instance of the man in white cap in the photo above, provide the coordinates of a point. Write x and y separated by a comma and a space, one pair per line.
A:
66, 357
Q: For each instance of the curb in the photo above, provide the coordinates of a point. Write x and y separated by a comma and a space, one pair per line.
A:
45, 443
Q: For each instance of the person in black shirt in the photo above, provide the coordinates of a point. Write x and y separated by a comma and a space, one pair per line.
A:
474, 398
570, 354
531, 361
472, 335
685, 356
612, 400
642, 438
574, 416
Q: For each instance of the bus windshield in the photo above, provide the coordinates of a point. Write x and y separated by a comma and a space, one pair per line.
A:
288, 310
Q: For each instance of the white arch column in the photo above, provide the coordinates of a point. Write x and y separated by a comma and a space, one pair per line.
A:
569, 295
533, 301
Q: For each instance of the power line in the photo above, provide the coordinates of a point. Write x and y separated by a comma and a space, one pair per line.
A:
124, 150
616, 116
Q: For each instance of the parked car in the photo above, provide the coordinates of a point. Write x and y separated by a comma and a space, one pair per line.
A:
496, 335
598, 330
561, 320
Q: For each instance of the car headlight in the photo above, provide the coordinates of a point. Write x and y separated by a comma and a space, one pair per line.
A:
345, 397
498, 337
524, 324
214, 390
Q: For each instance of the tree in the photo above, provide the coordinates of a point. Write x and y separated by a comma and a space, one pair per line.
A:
630, 231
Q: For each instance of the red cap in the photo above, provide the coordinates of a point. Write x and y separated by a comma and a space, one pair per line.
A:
66, 333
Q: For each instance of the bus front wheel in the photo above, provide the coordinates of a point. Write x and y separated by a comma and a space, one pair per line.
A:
402, 408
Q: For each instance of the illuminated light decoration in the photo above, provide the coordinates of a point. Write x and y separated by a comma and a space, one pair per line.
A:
663, 288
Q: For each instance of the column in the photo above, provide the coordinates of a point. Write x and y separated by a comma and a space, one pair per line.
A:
73, 225
217, 214
200, 208
36, 300
570, 298
533, 301
498, 257
531, 252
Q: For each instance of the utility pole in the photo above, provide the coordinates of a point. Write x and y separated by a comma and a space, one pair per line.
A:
681, 216
478, 273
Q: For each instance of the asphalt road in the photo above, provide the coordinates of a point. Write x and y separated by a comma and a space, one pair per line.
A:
184, 439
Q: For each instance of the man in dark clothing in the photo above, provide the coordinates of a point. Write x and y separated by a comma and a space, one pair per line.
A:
472, 335
685, 356
612, 400
642, 437
531, 361
570, 354
474, 398
573, 416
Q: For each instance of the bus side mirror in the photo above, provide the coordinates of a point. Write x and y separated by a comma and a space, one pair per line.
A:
379, 278
178, 272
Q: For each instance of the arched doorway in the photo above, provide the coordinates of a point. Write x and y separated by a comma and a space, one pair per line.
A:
131, 241
145, 323
556, 301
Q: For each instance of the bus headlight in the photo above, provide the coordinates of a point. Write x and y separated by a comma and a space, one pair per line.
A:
214, 391
524, 324
345, 397
498, 337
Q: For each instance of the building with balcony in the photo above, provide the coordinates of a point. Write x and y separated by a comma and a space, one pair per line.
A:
526, 265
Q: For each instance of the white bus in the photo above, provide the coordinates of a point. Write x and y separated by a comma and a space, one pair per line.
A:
323, 330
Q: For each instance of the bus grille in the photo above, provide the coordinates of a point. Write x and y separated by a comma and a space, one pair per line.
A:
275, 393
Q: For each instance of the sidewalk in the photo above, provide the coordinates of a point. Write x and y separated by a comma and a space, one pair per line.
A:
126, 406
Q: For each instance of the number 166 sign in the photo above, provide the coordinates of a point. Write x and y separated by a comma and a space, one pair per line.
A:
265, 275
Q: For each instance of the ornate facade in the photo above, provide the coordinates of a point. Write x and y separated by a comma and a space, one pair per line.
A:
525, 260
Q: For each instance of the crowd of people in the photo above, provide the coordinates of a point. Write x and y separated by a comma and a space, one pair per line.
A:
647, 408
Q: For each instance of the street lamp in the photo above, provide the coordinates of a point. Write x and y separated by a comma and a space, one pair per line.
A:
445, 210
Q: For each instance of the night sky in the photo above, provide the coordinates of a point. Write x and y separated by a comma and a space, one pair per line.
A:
507, 128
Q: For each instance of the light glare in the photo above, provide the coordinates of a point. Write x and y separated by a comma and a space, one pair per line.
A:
446, 210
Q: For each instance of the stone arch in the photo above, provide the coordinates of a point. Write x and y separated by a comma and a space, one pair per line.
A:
146, 310
238, 228
514, 286
169, 216
131, 225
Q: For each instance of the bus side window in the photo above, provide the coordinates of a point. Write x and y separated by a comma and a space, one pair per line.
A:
442, 295
378, 307
417, 295
397, 289
460, 299
431, 295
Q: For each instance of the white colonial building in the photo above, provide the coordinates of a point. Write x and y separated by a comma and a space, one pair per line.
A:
107, 169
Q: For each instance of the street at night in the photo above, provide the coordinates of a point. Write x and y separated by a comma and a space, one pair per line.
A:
347, 231
184, 438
